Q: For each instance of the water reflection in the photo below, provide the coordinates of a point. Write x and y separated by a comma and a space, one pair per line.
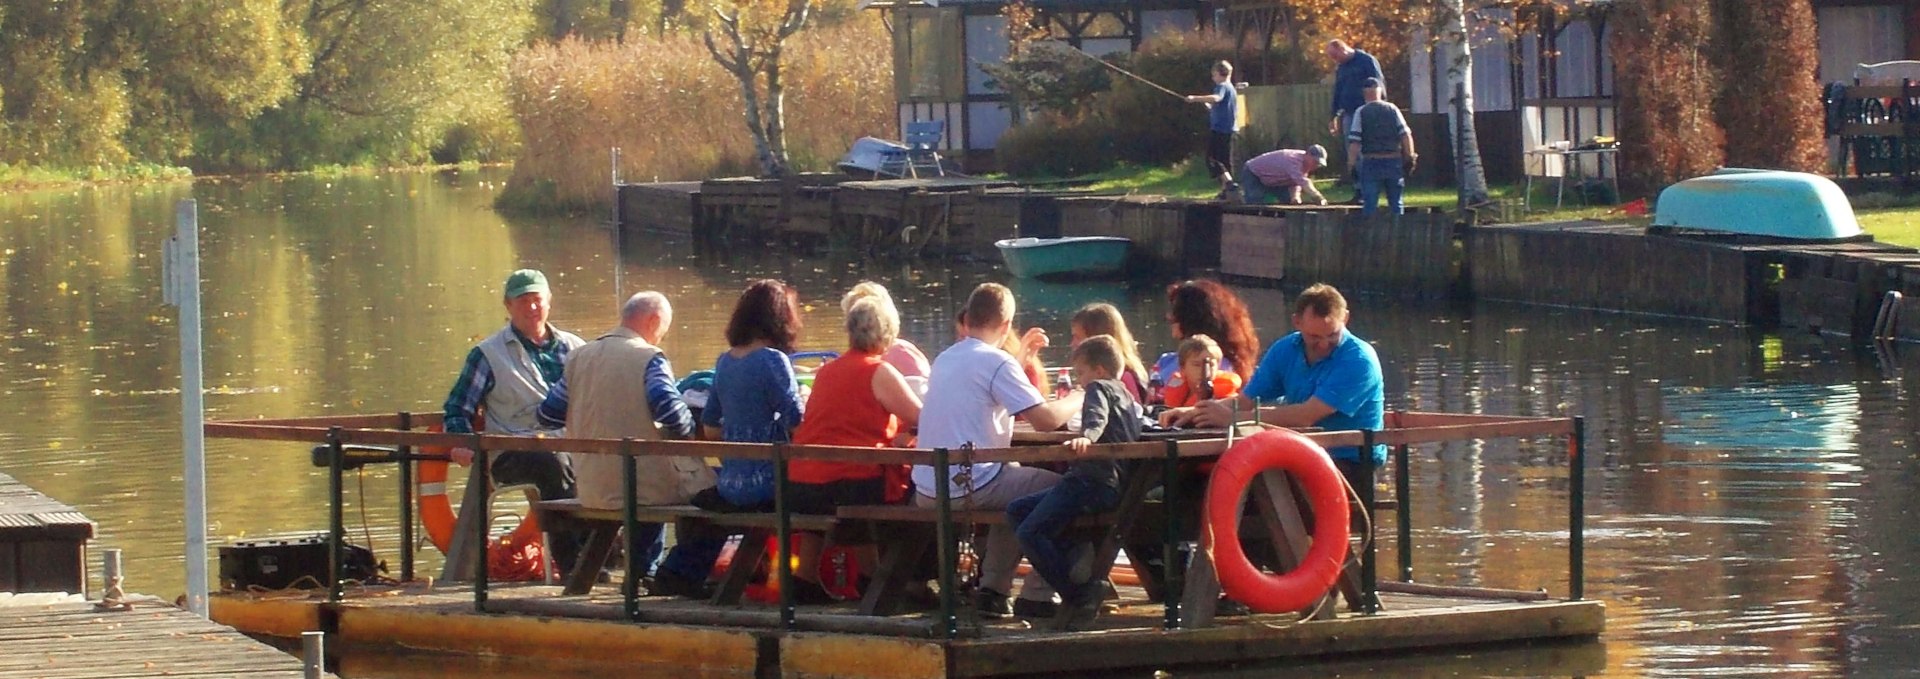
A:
1751, 498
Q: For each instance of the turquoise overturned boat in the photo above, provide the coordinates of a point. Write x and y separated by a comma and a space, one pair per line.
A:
1759, 203
1071, 257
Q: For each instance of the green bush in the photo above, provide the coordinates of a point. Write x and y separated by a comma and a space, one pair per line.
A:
1049, 146
1051, 78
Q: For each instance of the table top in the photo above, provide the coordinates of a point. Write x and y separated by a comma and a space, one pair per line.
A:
1572, 152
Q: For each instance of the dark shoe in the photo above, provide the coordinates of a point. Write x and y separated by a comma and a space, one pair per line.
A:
811, 594
1087, 609
991, 604
1228, 608
666, 583
1035, 610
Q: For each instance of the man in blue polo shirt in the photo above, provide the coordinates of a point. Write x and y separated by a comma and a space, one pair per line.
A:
1321, 375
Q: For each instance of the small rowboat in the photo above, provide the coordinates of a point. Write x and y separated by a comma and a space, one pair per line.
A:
1076, 256
1759, 203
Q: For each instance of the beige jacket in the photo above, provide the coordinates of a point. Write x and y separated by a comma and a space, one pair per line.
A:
607, 399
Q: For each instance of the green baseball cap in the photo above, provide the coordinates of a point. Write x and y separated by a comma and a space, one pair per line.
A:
526, 280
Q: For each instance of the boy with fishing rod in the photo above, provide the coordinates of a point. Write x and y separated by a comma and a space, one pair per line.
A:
1223, 107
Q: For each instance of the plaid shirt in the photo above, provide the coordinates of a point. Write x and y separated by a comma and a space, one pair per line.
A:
476, 379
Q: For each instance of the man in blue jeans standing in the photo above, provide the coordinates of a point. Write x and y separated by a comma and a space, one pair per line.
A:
1381, 146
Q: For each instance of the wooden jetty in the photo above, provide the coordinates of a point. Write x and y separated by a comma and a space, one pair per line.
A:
1169, 619
150, 639
43, 542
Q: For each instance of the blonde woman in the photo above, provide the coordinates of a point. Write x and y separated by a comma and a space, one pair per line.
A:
902, 355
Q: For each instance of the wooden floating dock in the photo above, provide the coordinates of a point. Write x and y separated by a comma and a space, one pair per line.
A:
43, 542
150, 640
535, 621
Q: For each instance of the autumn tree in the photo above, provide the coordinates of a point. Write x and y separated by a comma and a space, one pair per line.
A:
1772, 113
750, 45
1665, 77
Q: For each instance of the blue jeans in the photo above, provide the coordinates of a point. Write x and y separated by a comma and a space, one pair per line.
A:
1040, 518
1382, 173
1255, 192
692, 557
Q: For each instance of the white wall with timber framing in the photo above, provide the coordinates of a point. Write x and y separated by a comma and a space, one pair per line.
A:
938, 52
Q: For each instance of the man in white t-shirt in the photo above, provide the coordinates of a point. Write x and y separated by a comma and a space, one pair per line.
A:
973, 393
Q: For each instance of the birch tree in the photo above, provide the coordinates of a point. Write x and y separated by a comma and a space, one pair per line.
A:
750, 45
1456, 50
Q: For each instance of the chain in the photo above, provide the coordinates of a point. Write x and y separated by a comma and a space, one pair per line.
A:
967, 547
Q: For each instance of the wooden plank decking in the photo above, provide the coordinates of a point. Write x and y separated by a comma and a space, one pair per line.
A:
43, 542
74, 640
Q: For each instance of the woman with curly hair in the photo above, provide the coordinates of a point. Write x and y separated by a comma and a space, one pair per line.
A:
1205, 307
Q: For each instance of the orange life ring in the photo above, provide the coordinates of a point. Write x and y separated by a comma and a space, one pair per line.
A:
1227, 492
436, 511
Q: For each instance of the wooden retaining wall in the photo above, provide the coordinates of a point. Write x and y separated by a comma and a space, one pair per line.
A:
1613, 267
1169, 235
666, 207
1414, 255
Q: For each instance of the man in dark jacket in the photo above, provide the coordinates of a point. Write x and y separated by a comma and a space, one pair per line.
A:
1352, 69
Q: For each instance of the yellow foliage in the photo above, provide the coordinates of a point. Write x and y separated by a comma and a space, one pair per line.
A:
676, 115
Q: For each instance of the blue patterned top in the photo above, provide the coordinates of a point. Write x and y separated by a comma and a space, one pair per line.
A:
755, 399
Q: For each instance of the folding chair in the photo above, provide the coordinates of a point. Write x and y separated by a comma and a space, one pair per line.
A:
921, 152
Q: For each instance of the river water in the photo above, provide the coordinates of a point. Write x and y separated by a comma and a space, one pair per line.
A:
1752, 498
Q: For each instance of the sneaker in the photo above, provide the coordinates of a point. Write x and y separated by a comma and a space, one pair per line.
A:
991, 604
1031, 609
1082, 559
667, 583
1228, 608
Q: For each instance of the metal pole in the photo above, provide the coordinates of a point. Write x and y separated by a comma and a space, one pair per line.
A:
336, 517
1402, 482
405, 457
111, 577
180, 285
783, 529
313, 656
619, 286
943, 539
1369, 576
1576, 513
1170, 534
481, 476
630, 526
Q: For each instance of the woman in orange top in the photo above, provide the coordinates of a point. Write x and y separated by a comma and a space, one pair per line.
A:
858, 400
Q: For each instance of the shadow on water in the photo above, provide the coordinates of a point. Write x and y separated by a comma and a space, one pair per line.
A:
1751, 497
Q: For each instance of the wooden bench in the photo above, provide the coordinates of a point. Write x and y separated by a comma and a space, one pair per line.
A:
906, 533
603, 526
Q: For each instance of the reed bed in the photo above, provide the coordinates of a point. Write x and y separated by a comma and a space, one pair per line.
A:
676, 115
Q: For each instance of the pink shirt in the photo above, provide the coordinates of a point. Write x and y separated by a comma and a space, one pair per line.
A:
907, 359
1285, 167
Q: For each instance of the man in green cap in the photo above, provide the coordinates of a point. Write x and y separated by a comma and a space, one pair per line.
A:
506, 376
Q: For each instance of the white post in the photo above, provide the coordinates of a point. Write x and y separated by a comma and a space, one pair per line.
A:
619, 290
182, 288
313, 654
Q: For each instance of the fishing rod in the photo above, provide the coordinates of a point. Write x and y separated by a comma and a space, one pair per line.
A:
1126, 72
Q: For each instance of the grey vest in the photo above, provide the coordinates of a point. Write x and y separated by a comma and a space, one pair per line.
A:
518, 387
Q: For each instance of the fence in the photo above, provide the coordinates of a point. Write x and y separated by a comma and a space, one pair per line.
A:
1290, 116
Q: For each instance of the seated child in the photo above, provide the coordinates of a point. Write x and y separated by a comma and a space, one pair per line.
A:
1109, 415
1200, 374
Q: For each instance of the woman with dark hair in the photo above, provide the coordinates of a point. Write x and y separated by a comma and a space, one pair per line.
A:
1205, 307
755, 398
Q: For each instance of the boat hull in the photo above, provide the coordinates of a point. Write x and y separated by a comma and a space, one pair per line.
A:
1759, 203
1078, 257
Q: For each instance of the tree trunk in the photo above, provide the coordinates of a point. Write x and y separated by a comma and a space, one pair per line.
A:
563, 15
621, 12
1454, 37
774, 161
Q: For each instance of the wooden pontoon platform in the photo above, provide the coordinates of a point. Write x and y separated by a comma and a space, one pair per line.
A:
535, 622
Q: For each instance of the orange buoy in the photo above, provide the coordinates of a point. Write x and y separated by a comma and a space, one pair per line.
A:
436, 511
1241, 466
